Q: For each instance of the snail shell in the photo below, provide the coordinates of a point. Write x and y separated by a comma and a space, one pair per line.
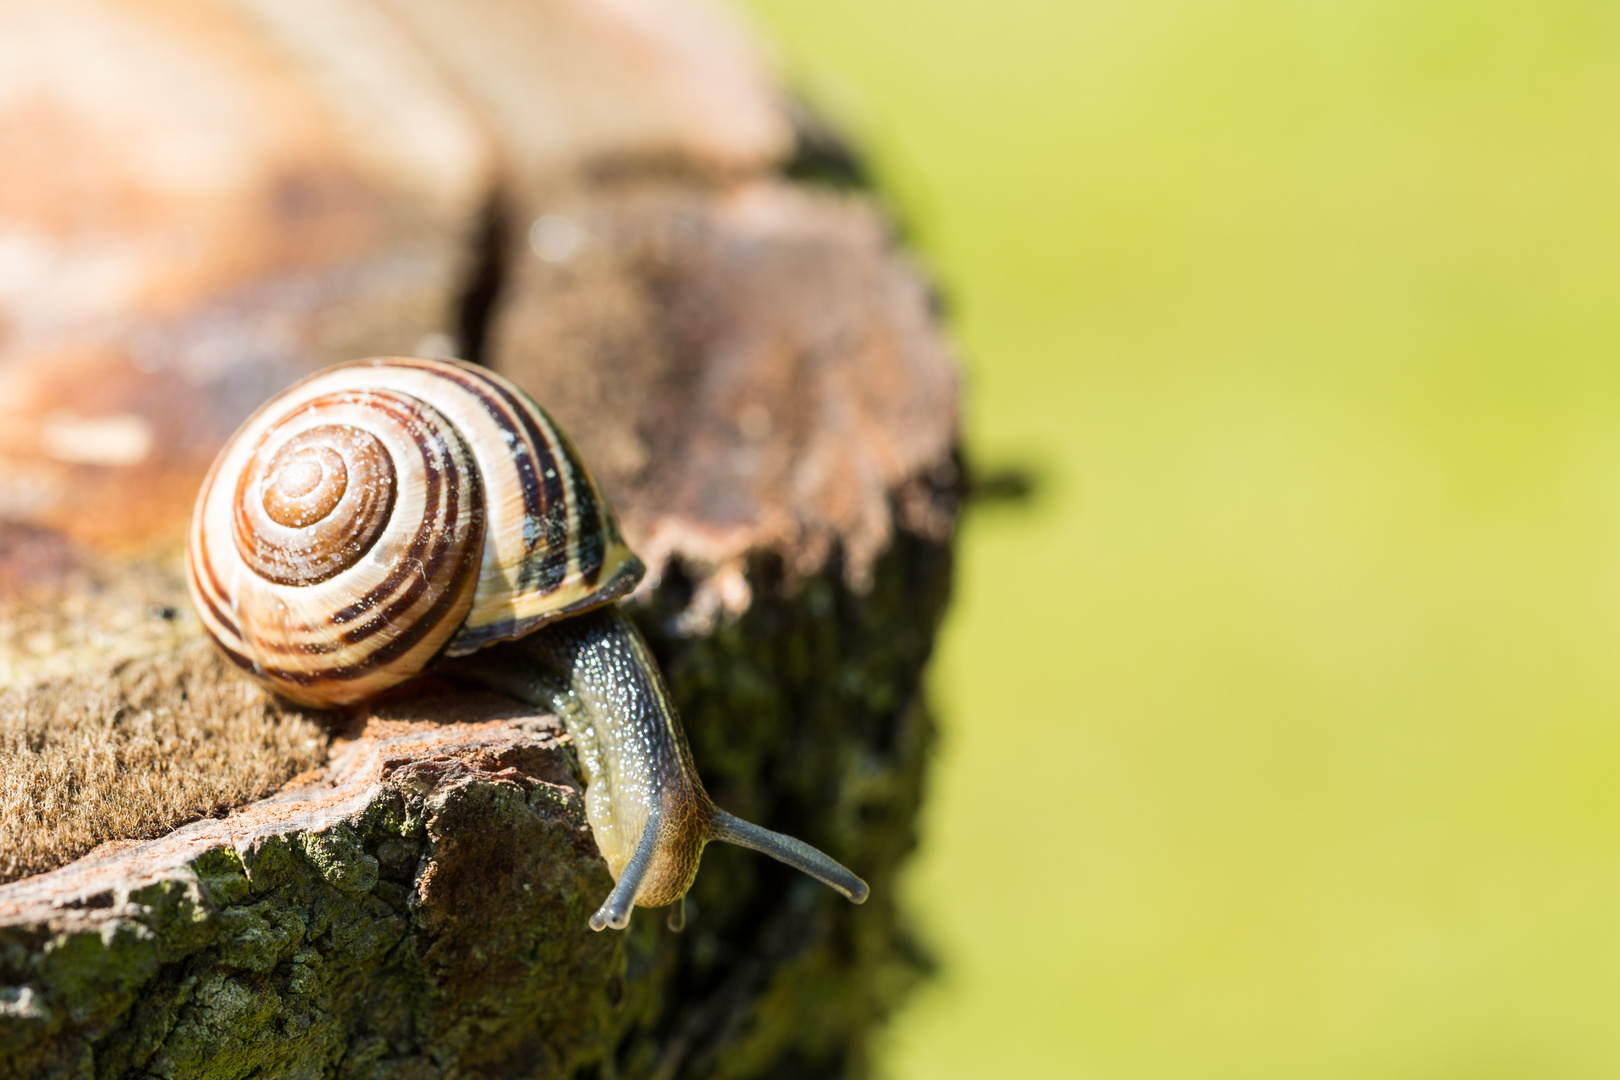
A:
381, 513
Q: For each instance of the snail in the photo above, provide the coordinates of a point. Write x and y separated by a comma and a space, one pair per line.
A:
384, 514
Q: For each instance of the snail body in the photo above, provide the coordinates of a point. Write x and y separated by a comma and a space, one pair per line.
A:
380, 515
643, 797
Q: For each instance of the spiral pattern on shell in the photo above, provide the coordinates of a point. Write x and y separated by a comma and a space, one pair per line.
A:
381, 513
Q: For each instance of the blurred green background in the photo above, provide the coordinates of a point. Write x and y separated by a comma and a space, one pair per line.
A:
1280, 729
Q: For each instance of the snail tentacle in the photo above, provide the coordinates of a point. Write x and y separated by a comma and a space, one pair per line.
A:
796, 853
615, 910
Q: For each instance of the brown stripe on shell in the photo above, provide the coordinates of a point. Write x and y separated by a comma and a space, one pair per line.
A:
416, 568
246, 663
231, 653
428, 582
536, 497
395, 647
589, 531
214, 619
401, 409
219, 616
426, 572
348, 525
431, 530
577, 540
212, 591
387, 601
546, 517
547, 574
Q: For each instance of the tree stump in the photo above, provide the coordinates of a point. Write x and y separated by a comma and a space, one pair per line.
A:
205, 202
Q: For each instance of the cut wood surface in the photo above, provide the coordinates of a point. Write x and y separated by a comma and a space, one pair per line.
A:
592, 198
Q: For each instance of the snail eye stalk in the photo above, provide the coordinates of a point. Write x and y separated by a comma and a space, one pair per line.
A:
796, 853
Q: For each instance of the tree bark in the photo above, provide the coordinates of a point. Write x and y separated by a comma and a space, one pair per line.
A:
598, 201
